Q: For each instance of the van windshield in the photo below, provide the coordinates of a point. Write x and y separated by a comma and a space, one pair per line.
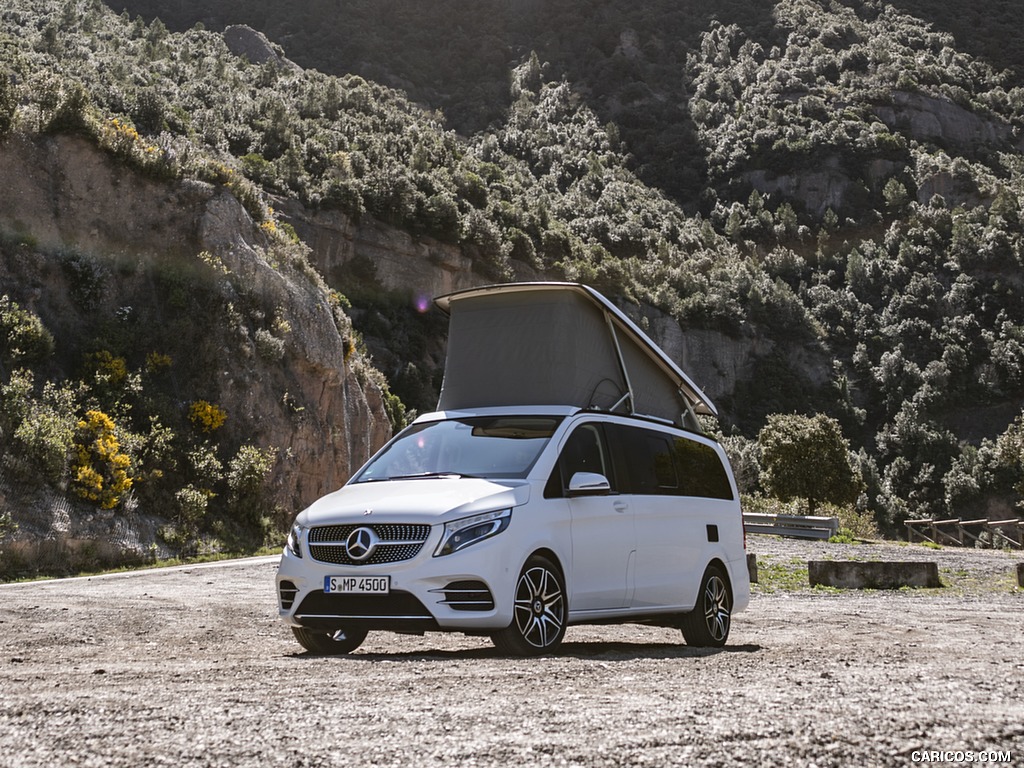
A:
480, 446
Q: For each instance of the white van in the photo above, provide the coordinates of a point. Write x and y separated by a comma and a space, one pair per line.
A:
517, 510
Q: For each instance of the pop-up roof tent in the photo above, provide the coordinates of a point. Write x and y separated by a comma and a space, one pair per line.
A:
559, 344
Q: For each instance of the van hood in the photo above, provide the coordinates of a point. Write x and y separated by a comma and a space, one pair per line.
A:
423, 500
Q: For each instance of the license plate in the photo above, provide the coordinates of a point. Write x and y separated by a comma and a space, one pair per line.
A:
357, 585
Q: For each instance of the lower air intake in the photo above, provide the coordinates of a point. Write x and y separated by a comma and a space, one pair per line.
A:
468, 596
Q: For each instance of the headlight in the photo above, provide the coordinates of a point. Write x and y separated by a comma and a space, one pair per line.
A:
294, 539
460, 534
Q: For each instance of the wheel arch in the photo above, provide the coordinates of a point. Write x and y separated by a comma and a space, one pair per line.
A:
554, 558
720, 564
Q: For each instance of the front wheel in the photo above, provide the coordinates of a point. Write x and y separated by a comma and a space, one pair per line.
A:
329, 643
539, 614
707, 625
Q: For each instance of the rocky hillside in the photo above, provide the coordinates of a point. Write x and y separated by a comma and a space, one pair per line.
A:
631, 63
815, 207
164, 294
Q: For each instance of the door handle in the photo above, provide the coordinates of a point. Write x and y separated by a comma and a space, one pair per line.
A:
620, 506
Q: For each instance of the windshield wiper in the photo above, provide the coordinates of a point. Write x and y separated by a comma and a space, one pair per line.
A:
419, 476
431, 475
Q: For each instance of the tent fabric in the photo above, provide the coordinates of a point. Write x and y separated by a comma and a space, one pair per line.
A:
557, 344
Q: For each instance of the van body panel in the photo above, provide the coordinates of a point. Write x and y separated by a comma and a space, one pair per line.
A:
603, 541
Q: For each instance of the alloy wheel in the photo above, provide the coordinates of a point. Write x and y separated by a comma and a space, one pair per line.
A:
717, 611
539, 607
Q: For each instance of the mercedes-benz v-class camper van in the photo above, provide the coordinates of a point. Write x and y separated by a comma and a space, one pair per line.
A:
564, 479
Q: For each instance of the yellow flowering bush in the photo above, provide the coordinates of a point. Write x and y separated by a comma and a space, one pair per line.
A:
110, 367
207, 416
100, 471
121, 137
157, 361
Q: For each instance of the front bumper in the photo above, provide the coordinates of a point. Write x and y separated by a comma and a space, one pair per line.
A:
470, 590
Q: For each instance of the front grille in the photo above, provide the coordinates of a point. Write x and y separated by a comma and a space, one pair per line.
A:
467, 596
397, 542
288, 591
397, 605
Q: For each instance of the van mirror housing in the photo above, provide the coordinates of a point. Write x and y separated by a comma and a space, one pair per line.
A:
589, 484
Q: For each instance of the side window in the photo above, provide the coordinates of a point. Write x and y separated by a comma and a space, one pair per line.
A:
650, 465
584, 451
660, 450
649, 461
700, 470
664, 464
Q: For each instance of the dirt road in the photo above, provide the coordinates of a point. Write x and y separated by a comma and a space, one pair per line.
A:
191, 667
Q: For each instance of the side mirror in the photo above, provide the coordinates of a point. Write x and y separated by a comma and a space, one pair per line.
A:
589, 484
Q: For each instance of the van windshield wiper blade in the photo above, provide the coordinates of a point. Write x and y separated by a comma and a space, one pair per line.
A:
431, 476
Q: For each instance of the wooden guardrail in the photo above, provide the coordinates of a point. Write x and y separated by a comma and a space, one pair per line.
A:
967, 533
794, 526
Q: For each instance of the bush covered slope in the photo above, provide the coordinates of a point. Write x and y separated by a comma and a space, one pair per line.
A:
840, 184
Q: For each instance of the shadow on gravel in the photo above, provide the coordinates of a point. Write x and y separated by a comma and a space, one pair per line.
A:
583, 651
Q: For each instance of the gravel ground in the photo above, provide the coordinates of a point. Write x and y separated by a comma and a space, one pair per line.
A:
190, 666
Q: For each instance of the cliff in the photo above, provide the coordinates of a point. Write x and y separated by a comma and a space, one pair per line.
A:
110, 260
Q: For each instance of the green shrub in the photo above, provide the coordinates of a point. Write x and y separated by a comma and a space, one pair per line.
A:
249, 499
15, 399
807, 457
39, 431
7, 526
44, 440
206, 469
192, 506
269, 346
8, 103
23, 337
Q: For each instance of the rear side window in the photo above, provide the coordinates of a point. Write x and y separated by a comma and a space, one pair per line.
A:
701, 470
649, 461
664, 464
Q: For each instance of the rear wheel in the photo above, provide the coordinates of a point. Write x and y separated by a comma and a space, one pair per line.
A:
329, 643
707, 625
538, 620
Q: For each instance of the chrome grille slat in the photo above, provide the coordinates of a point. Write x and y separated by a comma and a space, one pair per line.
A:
387, 532
381, 544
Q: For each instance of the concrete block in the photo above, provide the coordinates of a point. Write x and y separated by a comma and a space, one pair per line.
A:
752, 567
872, 575
1020, 574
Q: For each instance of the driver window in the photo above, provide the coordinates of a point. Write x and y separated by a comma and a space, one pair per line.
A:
584, 451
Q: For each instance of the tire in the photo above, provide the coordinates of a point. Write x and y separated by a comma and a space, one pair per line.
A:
707, 625
539, 613
329, 643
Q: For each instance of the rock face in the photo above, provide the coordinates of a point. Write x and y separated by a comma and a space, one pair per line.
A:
818, 190
927, 118
245, 41
386, 256
917, 116
715, 361
389, 258
310, 396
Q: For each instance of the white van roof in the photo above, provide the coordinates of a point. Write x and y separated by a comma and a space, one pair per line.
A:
558, 344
